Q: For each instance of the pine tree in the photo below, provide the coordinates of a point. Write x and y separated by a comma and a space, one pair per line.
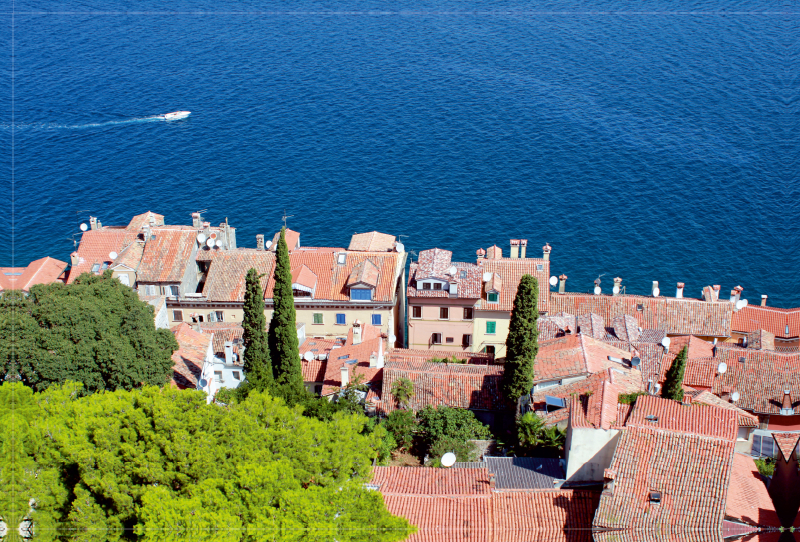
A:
522, 342
283, 347
672, 382
256, 359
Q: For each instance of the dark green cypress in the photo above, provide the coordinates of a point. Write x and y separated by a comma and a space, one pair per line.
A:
522, 342
256, 358
673, 381
283, 347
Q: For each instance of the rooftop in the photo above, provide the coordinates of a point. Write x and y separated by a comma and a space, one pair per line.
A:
510, 272
575, 355
772, 319
41, 271
190, 355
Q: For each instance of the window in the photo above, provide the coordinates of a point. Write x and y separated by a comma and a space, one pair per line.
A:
743, 433
150, 289
444, 313
436, 338
463, 274
218, 376
764, 445
540, 267
212, 317
466, 340
236, 375
426, 285
177, 316
300, 293
219, 315
449, 340
416, 312
491, 297
360, 294
171, 290
123, 278
341, 258
376, 319
437, 285
467, 313
96, 268
318, 318
491, 328
105, 266
341, 320
548, 384
655, 497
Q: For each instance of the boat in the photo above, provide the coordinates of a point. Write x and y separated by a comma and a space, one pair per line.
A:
175, 115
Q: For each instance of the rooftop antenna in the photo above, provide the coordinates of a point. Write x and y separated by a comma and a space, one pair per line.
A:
285, 216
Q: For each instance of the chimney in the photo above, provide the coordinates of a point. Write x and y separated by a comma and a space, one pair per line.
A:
492, 481
73, 259
763, 300
786, 405
228, 353
562, 283
514, 248
207, 228
345, 376
617, 286
197, 220
494, 252
99, 225
679, 291
655, 291
146, 233
380, 354
481, 253
597, 289
716, 289
357, 332
546, 251
611, 375
373, 360
738, 291
733, 296
523, 243
260, 241
93, 222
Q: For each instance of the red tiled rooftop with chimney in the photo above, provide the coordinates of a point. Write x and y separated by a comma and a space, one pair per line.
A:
167, 256
190, 355
223, 332
41, 271
372, 242
292, 240
467, 278
748, 500
772, 319
600, 409
356, 357
510, 272
145, 219
657, 414
96, 247
574, 355
745, 419
225, 280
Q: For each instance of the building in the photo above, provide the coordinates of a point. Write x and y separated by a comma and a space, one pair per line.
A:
42, 271
193, 353
784, 324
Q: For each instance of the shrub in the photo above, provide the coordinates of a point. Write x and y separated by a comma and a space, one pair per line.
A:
403, 391
766, 466
630, 398
464, 450
401, 425
533, 435
448, 422
451, 359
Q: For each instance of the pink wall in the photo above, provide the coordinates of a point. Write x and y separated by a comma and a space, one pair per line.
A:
420, 330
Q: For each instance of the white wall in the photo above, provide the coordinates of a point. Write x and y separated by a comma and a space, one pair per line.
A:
589, 452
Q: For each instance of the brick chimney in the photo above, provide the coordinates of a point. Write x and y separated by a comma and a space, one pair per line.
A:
523, 244
716, 289
197, 220
562, 283
679, 291
481, 253
546, 251
763, 300
345, 376
260, 241
357, 332
492, 482
514, 248
733, 296
617, 286
93, 222
74, 259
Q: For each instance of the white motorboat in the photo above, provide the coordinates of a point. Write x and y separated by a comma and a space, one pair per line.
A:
176, 115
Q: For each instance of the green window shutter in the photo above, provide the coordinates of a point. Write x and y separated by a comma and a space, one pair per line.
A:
317, 317
491, 327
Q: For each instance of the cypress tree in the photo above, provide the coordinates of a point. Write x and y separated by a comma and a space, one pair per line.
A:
256, 359
672, 382
522, 341
283, 347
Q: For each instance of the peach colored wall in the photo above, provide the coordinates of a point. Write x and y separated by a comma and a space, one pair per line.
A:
420, 330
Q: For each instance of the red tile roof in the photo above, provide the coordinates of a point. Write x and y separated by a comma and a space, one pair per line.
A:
657, 414
304, 277
574, 355
787, 442
225, 280
444, 518
449, 384
130, 256
676, 316
372, 242
747, 499
510, 271
292, 240
166, 257
318, 346
468, 278
745, 419
190, 355
405, 354
96, 246
223, 332
601, 409
145, 219
772, 319
365, 273
431, 481
626, 328
42, 271
350, 352
544, 515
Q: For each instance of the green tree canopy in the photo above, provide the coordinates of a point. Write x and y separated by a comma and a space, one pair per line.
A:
166, 464
256, 360
674, 378
96, 331
283, 346
522, 341
447, 429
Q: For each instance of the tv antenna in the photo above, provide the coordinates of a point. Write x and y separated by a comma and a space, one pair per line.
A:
284, 217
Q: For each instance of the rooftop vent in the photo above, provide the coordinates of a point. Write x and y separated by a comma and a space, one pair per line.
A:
639, 307
651, 418
742, 359
655, 497
635, 361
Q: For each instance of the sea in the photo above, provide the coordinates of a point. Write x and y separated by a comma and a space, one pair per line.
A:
654, 140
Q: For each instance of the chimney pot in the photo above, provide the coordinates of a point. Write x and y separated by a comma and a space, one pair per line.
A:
481, 253
733, 296
373, 360
345, 376
546, 249
492, 482
679, 291
99, 225
228, 353
93, 222
514, 248
562, 283
523, 243
260, 241
655, 291
74, 259
197, 220
763, 300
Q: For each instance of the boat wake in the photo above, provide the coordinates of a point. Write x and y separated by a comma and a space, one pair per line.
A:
54, 126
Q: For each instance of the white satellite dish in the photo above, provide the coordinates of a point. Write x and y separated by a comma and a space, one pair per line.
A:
84, 227
113, 255
210, 243
656, 291
742, 303
201, 238
665, 342
735, 396
487, 276
452, 271
269, 244
448, 459
308, 356
399, 247
615, 289
554, 281
219, 243
722, 367
392, 339
597, 290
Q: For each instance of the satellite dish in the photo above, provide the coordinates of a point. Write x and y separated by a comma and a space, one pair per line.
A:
487, 276
399, 247
635, 361
615, 289
722, 367
219, 243
308, 356
554, 281
735, 396
392, 339
448, 459
452, 271
656, 291
665, 342
201, 238
597, 290
210, 243
269, 244
742, 303
84, 227
113, 255
203, 383
213, 235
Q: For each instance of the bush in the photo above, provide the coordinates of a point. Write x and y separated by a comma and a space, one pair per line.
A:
447, 429
534, 436
630, 398
403, 391
401, 425
451, 359
464, 450
766, 466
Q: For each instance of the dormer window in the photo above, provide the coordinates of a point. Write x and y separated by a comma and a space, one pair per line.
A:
341, 259
655, 497
437, 285
96, 268
426, 285
492, 297
360, 294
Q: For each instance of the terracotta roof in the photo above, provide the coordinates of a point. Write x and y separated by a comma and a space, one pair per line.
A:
372, 242
574, 355
304, 277
745, 419
130, 256
676, 316
345, 356
225, 280
42, 271
292, 240
223, 332
166, 257
444, 518
772, 319
510, 271
430, 481
95, 247
787, 442
366, 272
190, 355
468, 279
655, 413
318, 346
145, 219
626, 328
314, 370
406, 354
600, 409
747, 499
449, 384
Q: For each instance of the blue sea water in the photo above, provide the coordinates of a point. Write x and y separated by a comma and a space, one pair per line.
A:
650, 141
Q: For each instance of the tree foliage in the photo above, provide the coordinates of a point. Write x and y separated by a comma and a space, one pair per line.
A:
534, 437
522, 341
402, 426
256, 358
673, 381
95, 330
403, 391
447, 429
167, 465
283, 344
